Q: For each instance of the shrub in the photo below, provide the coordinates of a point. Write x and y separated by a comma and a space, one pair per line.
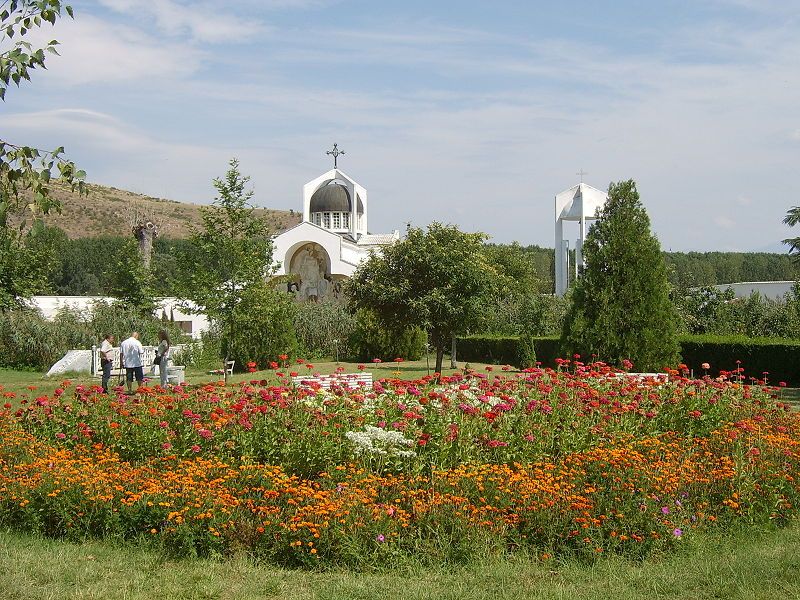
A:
260, 327
370, 340
323, 328
204, 353
29, 341
514, 314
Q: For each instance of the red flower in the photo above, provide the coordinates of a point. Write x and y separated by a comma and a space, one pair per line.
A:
376, 360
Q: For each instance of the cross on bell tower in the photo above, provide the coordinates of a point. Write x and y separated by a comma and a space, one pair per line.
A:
335, 153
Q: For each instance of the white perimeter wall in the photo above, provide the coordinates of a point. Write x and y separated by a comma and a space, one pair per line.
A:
50, 305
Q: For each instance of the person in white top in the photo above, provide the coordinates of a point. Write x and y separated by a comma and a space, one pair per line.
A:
106, 359
132, 351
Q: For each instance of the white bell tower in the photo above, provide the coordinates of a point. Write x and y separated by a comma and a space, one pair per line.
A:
579, 203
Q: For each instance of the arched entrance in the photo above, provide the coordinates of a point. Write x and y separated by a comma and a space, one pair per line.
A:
310, 269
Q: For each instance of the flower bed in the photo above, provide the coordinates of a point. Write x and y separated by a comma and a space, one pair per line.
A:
554, 461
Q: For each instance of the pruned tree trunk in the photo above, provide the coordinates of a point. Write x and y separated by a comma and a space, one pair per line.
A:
439, 357
145, 233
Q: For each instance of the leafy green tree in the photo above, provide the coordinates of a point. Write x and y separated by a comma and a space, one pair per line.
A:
24, 265
621, 306
791, 219
224, 266
26, 172
130, 281
437, 279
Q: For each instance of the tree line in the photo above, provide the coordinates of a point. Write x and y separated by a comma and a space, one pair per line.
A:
90, 266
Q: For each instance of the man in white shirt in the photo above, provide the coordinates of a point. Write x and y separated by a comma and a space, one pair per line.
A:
106, 359
131, 351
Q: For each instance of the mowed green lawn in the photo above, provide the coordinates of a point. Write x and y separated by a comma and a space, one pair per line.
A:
748, 565
20, 381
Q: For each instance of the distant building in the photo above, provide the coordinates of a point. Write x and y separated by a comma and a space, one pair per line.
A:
333, 238
580, 203
775, 290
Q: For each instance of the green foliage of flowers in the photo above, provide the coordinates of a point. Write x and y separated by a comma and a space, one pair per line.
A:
581, 461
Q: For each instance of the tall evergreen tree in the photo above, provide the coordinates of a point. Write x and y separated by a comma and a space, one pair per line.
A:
621, 307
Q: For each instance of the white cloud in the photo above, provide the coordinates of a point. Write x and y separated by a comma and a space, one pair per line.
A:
95, 50
201, 21
724, 222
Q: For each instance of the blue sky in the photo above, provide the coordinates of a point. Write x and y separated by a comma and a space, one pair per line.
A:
472, 113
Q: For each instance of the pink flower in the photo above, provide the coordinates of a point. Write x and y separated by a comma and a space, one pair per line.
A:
195, 448
166, 446
496, 444
61, 436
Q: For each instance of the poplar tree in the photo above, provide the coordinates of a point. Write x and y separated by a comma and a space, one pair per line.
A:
621, 307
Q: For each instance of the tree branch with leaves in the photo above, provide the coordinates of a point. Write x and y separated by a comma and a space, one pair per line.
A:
26, 172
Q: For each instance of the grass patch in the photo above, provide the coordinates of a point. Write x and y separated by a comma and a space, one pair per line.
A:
752, 564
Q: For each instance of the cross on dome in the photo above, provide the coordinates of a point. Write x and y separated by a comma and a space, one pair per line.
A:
335, 153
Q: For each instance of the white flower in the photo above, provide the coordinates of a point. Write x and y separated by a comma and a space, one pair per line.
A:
375, 441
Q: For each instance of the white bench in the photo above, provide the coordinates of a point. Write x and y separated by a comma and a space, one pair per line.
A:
351, 381
176, 374
661, 377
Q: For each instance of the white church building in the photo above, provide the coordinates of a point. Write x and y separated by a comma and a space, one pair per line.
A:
333, 238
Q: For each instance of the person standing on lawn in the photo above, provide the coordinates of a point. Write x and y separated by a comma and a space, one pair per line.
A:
106, 359
162, 355
132, 351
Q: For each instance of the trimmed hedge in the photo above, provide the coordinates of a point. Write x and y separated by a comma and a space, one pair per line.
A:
505, 350
779, 358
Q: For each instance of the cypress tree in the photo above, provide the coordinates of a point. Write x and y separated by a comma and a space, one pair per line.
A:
621, 307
